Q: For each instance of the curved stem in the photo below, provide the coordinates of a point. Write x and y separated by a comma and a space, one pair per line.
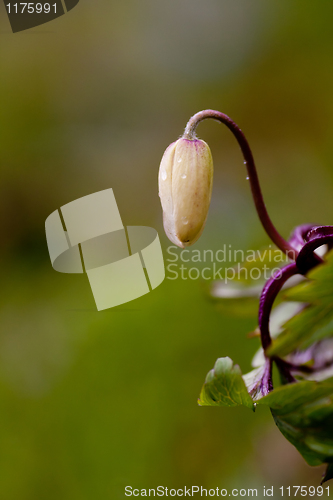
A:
319, 231
313, 237
299, 235
268, 295
270, 229
319, 236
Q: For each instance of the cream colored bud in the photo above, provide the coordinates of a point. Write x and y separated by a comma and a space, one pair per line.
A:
185, 189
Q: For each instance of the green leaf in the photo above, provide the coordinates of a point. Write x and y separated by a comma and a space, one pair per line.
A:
224, 386
315, 322
290, 397
303, 412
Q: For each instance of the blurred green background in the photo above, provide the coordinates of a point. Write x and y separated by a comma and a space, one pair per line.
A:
94, 401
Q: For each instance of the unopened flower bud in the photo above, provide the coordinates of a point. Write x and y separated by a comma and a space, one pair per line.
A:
185, 189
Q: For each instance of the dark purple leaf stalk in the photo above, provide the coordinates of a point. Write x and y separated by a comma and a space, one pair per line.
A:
300, 249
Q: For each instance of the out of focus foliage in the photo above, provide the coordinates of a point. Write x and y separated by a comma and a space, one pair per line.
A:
315, 322
303, 410
91, 402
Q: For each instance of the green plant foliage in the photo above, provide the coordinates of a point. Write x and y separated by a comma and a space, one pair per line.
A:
241, 293
303, 411
304, 414
224, 386
315, 322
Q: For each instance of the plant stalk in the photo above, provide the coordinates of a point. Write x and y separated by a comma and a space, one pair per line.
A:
269, 227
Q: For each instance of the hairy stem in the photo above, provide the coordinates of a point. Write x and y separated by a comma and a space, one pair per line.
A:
270, 229
268, 295
317, 237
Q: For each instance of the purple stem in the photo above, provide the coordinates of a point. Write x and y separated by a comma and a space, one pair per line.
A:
305, 261
317, 237
297, 368
307, 239
298, 236
285, 370
268, 295
318, 231
270, 229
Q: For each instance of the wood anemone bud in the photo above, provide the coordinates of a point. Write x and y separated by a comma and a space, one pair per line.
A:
185, 188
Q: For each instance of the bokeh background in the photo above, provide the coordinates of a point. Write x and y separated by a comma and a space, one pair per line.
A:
94, 401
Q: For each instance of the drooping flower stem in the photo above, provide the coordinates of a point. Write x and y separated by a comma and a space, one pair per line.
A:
313, 237
316, 237
270, 229
300, 248
268, 295
267, 298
